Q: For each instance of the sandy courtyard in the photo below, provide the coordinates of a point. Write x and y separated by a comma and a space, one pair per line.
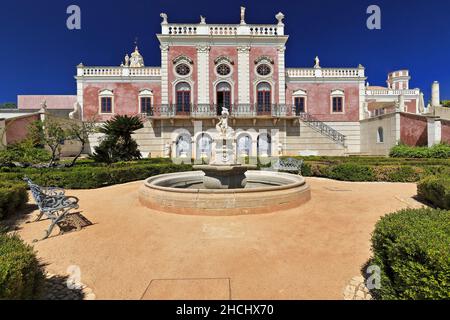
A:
312, 252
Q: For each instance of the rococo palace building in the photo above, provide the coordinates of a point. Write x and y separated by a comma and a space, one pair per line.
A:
273, 109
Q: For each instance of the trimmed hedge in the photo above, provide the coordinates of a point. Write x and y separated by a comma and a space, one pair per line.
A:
412, 249
90, 176
435, 190
21, 275
440, 151
13, 196
361, 173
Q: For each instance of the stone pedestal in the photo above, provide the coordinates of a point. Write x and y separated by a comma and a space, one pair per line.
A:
224, 152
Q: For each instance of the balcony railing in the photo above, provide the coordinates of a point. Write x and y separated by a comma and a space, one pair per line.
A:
180, 29
326, 72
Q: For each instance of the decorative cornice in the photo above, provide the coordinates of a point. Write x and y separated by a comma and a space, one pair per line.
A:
182, 58
264, 58
203, 48
281, 49
164, 47
243, 49
223, 59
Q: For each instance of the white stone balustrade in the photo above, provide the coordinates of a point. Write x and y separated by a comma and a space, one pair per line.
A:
325, 72
390, 92
83, 71
222, 29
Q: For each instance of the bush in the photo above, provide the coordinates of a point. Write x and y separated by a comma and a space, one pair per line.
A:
435, 190
13, 196
92, 176
24, 152
352, 172
412, 249
439, 151
21, 276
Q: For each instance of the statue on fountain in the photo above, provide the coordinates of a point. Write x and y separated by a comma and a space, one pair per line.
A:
222, 127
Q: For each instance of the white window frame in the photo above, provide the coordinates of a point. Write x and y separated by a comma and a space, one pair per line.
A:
337, 93
300, 94
106, 93
145, 93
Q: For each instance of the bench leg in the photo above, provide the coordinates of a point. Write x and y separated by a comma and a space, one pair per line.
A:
55, 221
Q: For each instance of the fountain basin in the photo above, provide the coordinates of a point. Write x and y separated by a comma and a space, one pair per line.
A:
185, 193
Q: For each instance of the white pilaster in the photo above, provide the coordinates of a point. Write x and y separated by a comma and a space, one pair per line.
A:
281, 76
164, 74
244, 74
203, 74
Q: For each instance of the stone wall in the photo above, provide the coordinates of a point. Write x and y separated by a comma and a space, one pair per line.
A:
445, 131
370, 142
413, 129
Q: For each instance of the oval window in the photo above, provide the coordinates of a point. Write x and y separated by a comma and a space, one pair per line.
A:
223, 70
263, 70
183, 69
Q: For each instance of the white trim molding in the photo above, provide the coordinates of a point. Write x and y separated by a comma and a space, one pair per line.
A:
105, 93
300, 94
337, 93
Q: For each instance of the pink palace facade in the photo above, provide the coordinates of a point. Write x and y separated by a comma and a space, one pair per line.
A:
274, 109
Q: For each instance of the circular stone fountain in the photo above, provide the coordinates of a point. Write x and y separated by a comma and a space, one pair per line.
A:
224, 187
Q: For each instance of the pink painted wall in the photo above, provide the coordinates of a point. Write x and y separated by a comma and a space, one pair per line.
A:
445, 131
126, 98
216, 52
413, 129
411, 106
255, 53
53, 102
190, 52
17, 129
319, 101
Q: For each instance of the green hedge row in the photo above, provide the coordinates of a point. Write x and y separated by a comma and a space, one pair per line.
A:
412, 249
13, 196
21, 275
91, 177
435, 190
361, 173
437, 151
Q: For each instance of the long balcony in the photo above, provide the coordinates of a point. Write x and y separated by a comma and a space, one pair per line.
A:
213, 111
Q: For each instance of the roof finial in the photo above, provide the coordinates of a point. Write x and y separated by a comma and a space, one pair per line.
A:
243, 15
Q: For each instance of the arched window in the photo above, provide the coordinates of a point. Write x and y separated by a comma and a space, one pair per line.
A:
223, 94
244, 146
204, 146
183, 98
380, 135
184, 146
264, 145
264, 98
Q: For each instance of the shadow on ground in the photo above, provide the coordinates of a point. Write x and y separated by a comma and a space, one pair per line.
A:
56, 288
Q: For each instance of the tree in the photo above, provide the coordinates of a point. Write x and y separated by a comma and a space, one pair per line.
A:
446, 103
8, 105
118, 145
49, 133
80, 131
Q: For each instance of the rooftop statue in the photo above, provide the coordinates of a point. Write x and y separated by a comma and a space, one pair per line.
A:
164, 17
317, 62
243, 15
202, 20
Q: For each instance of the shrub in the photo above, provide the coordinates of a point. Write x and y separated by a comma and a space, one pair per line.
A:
412, 249
118, 145
13, 196
440, 151
23, 152
435, 190
352, 172
92, 176
21, 275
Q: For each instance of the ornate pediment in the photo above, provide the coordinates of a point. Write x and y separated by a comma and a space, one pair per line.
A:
182, 58
264, 59
221, 59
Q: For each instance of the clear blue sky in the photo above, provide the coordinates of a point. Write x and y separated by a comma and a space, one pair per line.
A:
38, 53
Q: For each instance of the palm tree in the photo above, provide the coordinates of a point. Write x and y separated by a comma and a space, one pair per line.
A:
118, 145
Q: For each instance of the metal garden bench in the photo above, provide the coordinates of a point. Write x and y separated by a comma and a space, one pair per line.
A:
53, 203
288, 164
